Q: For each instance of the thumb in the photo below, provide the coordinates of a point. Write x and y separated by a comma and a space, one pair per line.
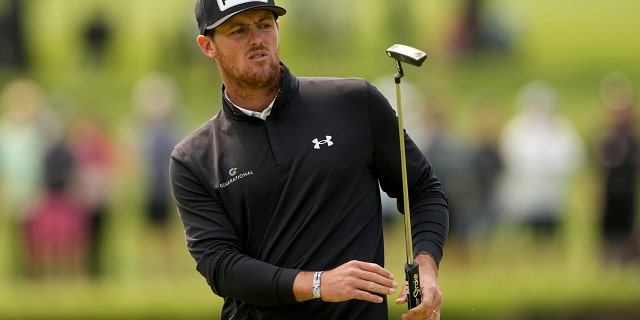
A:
402, 297
401, 300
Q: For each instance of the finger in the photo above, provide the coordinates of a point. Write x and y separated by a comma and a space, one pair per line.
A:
413, 314
372, 279
432, 299
429, 308
425, 310
375, 279
377, 269
367, 296
373, 287
420, 312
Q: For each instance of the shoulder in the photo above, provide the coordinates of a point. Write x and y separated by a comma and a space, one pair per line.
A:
198, 141
329, 83
344, 87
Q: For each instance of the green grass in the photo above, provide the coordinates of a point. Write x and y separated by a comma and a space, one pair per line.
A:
572, 44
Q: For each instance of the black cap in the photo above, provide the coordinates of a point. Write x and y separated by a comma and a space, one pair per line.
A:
212, 13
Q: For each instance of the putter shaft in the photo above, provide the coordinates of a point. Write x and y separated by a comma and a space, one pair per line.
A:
405, 183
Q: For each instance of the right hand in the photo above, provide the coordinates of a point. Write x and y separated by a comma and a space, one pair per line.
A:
357, 280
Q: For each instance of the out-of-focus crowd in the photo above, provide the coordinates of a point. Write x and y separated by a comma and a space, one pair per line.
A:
520, 173
57, 174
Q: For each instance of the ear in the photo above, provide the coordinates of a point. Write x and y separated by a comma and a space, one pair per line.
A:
206, 45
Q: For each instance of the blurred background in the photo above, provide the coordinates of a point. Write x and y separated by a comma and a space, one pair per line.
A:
526, 110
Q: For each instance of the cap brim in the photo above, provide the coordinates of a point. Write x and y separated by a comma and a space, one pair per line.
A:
278, 11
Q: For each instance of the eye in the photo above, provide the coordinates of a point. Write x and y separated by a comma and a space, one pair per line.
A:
238, 30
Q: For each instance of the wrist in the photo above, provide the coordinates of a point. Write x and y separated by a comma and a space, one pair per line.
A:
302, 286
425, 253
426, 259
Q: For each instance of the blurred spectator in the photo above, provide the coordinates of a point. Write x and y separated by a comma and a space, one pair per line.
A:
450, 157
24, 136
96, 38
12, 47
618, 155
466, 35
21, 144
156, 99
481, 27
485, 168
55, 232
541, 152
93, 154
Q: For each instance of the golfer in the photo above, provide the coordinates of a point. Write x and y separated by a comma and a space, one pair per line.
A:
279, 191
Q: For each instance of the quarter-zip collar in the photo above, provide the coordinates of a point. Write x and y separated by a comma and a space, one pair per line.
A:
287, 91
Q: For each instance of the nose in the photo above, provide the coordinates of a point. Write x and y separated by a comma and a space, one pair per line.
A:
256, 37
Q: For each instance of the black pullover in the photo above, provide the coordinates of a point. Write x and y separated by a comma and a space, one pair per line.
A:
262, 200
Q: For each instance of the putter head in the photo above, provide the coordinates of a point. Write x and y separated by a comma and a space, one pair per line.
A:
407, 54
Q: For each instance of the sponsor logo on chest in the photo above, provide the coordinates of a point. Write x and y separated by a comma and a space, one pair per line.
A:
317, 143
233, 173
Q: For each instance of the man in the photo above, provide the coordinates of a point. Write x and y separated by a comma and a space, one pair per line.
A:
279, 192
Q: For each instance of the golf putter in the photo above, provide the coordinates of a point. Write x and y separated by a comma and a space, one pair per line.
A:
412, 56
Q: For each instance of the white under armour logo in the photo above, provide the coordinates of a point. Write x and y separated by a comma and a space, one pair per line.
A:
317, 142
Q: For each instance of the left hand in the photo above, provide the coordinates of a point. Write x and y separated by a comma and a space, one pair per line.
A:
429, 308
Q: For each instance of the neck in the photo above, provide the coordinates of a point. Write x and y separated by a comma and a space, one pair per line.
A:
251, 99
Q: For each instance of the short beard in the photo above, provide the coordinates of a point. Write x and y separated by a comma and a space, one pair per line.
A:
250, 79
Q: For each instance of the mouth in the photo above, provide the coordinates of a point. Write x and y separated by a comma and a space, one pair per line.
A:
258, 54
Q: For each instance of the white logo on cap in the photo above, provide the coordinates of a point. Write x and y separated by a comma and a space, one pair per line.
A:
226, 4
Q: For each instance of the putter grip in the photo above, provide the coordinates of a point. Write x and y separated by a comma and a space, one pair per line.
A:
412, 276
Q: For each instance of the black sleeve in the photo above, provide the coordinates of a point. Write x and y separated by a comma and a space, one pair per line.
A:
218, 251
427, 198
